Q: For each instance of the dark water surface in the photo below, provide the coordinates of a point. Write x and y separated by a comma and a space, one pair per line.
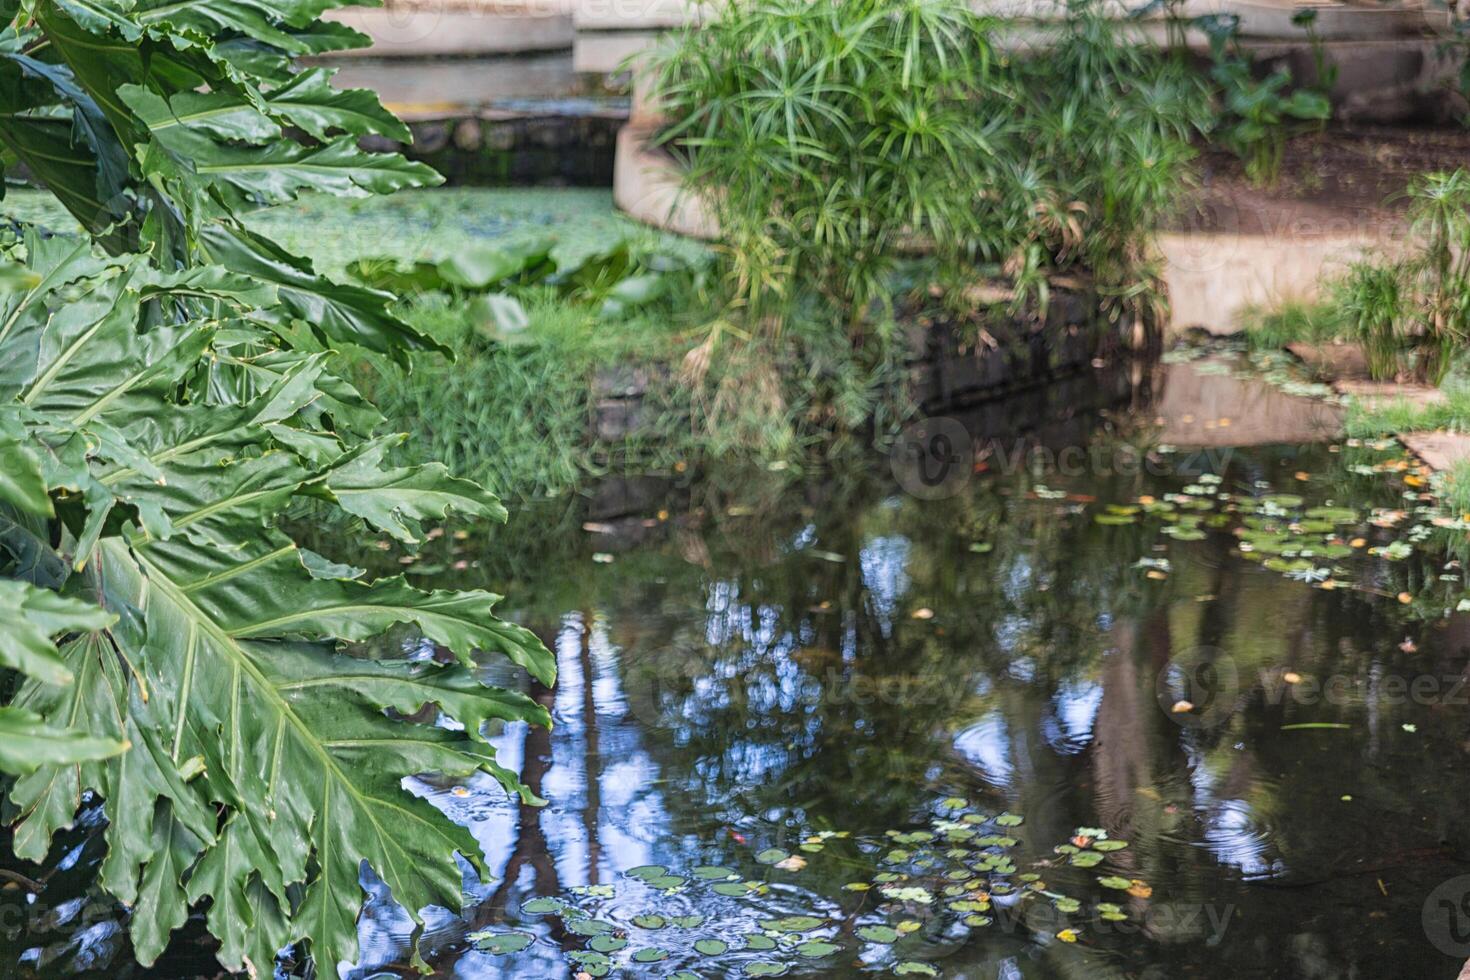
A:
810, 667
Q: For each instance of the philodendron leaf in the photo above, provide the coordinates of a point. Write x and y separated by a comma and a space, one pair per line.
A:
32, 618
21, 484
27, 743
280, 169
295, 737
396, 499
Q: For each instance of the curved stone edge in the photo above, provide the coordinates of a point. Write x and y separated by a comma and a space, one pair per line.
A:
647, 186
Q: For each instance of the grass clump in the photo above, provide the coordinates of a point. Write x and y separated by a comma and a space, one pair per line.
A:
1293, 321
1451, 414
1410, 313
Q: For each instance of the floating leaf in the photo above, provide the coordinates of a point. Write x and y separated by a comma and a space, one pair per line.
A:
542, 906
710, 947
817, 948
607, 943
793, 923
878, 934
647, 872
710, 872
501, 943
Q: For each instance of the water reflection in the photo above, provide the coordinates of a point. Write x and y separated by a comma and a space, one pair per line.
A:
840, 658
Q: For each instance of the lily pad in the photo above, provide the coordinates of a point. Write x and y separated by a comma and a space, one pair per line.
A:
607, 943
793, 923
711, 872
711, 947
817, 948
501, 943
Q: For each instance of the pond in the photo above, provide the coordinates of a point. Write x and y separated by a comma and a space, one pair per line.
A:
1057, 695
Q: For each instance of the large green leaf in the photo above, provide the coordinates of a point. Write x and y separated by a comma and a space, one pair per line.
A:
27, 743
158, 412
33, 617
28, 740
265, 764
294, 737
281, 169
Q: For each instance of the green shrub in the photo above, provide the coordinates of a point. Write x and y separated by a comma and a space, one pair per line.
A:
1258, 115
1370, 297
1272, 328
1413, 313
1439, 211
830, 137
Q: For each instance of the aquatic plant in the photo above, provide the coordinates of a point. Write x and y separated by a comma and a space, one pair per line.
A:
1439, 212
1370, 297
949, 877
164, 396
618, 277
1258, 115
830, 138
1313, 322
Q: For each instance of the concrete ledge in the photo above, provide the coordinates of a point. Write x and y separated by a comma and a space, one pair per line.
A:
1258, 18
606, 52
437, 30
1373, 393
415, 86
1439, 450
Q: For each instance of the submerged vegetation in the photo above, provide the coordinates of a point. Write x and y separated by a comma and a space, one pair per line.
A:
166, 394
